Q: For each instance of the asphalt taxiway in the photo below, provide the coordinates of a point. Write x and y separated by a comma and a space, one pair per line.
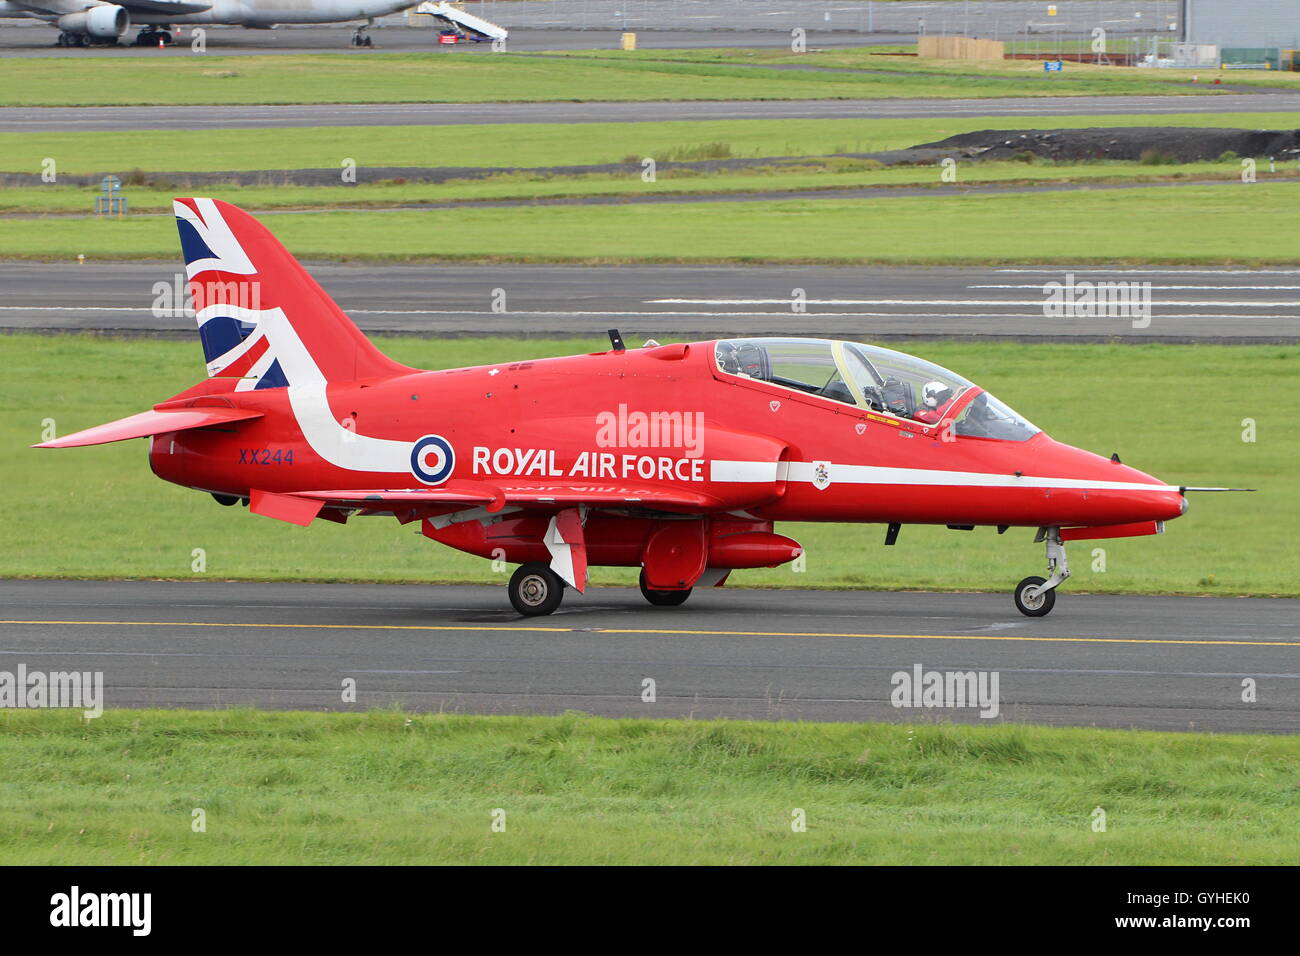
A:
1221, 304
1166, 663
35, 119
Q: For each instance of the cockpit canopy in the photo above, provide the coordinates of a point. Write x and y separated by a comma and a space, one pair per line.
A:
876, 379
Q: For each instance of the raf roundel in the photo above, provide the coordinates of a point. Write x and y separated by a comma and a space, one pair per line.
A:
432, 459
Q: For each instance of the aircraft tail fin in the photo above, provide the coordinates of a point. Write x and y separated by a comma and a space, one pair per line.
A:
263, 321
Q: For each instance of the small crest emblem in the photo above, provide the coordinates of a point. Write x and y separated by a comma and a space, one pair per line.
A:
821, 475
774, 405
860, 427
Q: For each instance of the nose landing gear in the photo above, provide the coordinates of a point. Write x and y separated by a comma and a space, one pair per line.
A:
1034, 596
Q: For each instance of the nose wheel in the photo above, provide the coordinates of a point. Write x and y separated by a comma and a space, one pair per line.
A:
535, 590
1031, 599
1035, 596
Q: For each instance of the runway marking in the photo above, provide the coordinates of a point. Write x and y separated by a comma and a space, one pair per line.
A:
1268, 304
669, 632
1162, 272
1203, 288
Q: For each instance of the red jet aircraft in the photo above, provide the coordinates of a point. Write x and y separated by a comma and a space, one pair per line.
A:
677, 459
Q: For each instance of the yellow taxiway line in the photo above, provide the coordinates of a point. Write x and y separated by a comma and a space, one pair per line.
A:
670, 632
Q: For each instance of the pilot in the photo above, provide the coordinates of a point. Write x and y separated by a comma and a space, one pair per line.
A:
935, 399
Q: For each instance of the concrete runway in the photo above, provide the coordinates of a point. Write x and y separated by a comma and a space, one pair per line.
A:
37, 119
1147, 662
1223, 305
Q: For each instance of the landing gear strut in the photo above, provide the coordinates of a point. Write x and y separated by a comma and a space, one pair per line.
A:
1034, 596
535, 589
360, 37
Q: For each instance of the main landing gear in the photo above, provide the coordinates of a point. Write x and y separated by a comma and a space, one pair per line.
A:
153, 36
535, 590
663, 598
361, 37
73, 39
1034, 596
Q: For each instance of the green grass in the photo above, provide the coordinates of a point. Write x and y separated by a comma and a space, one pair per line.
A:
1014, 75
1173, 411
528, 144
442, 77
387, 788
1097, 225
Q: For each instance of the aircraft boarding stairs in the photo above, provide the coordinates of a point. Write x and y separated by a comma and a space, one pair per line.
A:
459, 19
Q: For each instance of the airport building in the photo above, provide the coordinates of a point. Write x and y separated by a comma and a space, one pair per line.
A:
1243, 23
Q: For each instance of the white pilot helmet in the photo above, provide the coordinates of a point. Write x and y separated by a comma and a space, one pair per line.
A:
934, 394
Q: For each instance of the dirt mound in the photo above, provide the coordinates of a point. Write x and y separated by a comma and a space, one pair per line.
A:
1179, 144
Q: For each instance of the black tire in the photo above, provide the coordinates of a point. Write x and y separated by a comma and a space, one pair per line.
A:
1040, 605
535, 590
663, 598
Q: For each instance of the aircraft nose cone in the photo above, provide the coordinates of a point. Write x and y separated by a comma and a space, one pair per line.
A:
1123, 494
1162, 503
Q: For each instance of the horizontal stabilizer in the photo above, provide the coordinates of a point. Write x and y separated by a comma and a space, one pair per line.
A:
152, 423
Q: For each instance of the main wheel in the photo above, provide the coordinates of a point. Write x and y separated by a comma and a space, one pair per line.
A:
535, 589
663, 598
1032, 602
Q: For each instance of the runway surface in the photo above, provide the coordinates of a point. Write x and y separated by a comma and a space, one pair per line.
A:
23, 119
1224, 305
1147, 662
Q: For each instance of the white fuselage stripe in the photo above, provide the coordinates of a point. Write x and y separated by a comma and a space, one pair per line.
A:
761, 471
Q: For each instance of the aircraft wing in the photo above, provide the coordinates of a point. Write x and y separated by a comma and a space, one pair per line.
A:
480, 498
54, 8
177, 7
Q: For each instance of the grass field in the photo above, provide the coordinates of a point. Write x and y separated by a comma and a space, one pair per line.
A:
387, 788
1174, 411
1013, 73
1098, 225
420, 77
532, 144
